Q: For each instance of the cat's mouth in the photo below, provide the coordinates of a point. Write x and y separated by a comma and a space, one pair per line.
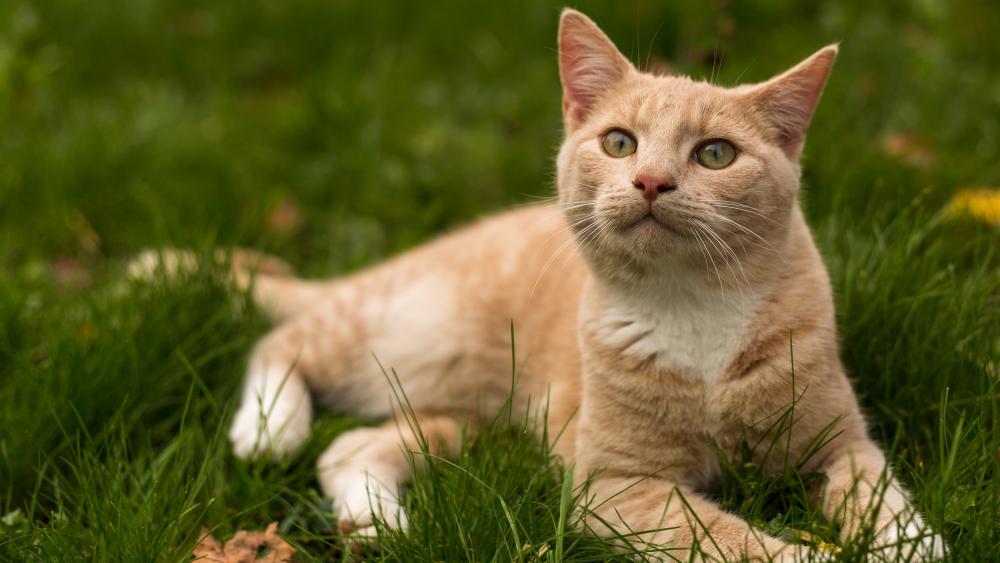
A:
651, 221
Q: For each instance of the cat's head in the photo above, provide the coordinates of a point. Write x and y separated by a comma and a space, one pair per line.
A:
665, 169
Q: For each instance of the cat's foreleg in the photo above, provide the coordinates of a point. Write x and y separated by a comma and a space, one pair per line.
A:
363, 469
667, 522
275, 409
861, 493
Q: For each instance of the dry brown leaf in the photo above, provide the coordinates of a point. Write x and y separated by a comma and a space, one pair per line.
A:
245, 547
910, 148
208, 549
285, 218
70, 272
726, 25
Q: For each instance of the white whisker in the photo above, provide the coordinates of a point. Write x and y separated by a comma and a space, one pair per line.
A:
704, 254
562, 247
738, 207
727, 252
709, 253
766, 246
577, 221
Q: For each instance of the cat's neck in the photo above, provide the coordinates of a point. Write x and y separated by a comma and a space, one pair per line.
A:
674, 282
669, 323
682, 292
677, 315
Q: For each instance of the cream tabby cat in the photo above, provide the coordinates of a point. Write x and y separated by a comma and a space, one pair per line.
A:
654, 307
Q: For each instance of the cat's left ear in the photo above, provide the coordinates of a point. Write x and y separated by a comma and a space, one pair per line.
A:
590, 66
787, 101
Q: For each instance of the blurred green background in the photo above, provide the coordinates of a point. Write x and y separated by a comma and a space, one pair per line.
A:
376, 124
336, 133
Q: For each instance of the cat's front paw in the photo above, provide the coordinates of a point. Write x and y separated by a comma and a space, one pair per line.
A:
275, 432
358, 501
361, 501
362, 474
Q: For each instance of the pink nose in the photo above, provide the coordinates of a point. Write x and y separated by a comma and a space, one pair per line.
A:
653, 185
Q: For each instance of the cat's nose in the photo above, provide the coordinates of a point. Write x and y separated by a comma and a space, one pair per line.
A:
653, 185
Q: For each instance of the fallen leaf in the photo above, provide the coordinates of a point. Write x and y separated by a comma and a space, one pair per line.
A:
285, 218
70, 272
208, 549
726, 25
245, 547
982, 203
910, 148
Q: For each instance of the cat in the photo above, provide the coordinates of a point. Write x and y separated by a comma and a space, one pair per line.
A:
657, 305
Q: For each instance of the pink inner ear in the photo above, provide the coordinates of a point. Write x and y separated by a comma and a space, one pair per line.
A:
585, 79
589, 65
571, 112
790, 99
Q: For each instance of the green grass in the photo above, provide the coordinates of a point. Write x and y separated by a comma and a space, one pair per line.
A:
145, 123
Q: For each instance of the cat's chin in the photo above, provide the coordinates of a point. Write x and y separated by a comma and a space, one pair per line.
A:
651, 224
649, 238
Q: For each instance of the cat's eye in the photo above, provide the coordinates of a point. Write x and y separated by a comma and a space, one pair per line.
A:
618, 143
715, 154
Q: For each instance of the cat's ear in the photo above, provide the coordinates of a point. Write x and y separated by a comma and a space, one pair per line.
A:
589, 65
787, 101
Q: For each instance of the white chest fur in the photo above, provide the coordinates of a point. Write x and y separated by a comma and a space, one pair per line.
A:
689, 332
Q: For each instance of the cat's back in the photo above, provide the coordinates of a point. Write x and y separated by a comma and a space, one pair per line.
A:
533, 276
518, 257
520, 268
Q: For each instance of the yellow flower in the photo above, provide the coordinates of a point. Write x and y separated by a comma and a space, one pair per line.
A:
981, 203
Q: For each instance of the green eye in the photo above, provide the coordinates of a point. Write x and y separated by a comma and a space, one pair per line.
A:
618, 143
715, 154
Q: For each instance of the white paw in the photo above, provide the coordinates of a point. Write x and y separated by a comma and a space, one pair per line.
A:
362, 472
914, 541
362, 500
270, 428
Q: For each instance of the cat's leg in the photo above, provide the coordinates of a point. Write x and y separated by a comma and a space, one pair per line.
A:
363, 469
667, 522
315, 351
861, 492
275, 409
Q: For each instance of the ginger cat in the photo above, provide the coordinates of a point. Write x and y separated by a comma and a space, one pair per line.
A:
654, 307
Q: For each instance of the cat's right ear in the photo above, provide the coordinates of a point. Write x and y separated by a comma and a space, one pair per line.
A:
788, 100
589, 66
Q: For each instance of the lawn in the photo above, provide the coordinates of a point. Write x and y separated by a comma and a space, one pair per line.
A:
335, 134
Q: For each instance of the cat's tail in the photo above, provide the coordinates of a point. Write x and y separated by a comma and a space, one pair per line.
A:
274, 288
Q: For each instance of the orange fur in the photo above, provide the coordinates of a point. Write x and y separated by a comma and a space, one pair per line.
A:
651, 328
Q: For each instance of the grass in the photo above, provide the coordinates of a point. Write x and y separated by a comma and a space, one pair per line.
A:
338, 133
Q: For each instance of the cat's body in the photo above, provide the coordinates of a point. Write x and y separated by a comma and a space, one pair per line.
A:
656, 310
444, 329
